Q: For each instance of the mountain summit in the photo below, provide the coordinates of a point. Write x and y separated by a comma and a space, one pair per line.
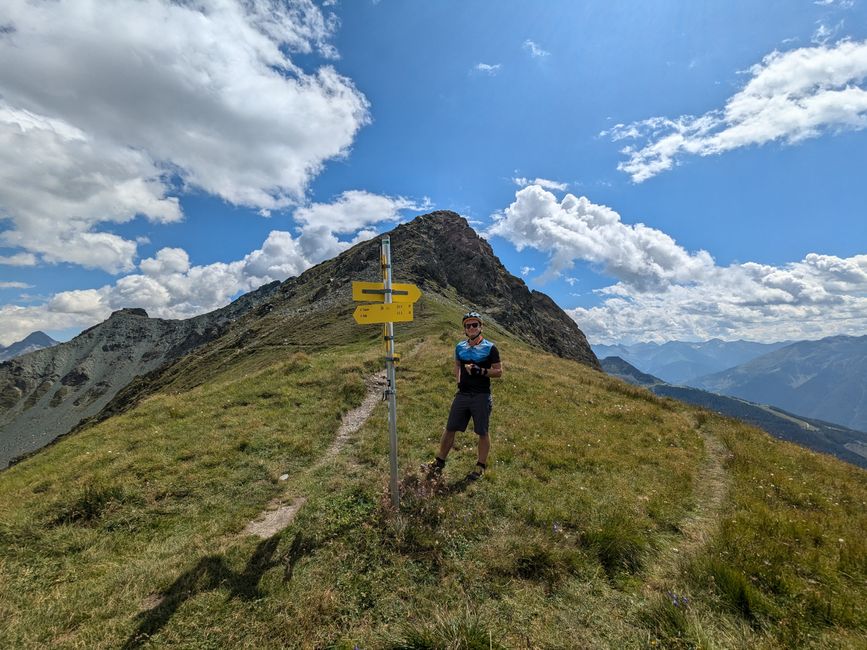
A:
32, 342
110, 366
443, 254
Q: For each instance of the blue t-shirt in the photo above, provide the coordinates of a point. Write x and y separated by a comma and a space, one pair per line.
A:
484, 355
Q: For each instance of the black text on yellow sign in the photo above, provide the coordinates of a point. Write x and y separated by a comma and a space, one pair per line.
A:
375, 292
383, 313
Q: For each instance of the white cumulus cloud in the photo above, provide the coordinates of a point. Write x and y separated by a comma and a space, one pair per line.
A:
791, 96
57, 183
818, 296
18, 259
664, 292
352, 211
576, 229
109, 108
356, 209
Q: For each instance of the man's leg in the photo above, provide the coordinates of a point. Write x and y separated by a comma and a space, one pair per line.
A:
481, 419
484, 448
446, 443
482, 464
459, 417
435, 467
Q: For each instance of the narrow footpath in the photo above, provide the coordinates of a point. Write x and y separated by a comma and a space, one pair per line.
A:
711, 489
279, 514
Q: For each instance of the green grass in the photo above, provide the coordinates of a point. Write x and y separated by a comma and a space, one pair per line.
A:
791, 554
128, 533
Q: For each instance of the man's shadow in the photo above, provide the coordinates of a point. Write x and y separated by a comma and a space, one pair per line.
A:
458, 486
212, 572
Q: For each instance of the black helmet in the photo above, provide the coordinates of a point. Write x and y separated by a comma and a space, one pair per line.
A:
471, 314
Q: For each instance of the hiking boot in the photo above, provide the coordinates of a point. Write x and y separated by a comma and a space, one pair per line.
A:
434, 469
477, 473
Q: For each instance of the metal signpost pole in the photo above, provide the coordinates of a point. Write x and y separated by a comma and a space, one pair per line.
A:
391, 389
393, 303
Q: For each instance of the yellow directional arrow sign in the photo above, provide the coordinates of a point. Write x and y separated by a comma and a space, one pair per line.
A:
375, 292
382, 313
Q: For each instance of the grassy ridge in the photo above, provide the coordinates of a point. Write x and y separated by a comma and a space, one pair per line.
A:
97, 522
608, 518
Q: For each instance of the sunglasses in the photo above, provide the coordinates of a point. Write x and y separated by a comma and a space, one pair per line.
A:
471, 325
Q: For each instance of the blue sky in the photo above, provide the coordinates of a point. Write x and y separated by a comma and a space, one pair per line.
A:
664, 171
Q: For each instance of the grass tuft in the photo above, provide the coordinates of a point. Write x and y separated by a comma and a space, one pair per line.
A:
539, 557
737, 591
89, 505
442, 632
618, 543
417, 531
668, 621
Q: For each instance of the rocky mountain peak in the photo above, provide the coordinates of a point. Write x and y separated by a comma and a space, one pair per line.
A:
442, 253
136, 312
441, 250
38, 338
30, 343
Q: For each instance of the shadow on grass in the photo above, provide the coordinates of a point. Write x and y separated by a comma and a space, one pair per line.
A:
455, 488
426, 486
211, 572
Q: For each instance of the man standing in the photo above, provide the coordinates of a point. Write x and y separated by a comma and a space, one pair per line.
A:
477, 361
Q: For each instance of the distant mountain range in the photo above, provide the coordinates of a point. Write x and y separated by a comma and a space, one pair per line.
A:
31, 343
842, 442
678, 362
825, 379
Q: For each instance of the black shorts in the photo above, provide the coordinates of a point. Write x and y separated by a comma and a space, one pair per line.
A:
475, 405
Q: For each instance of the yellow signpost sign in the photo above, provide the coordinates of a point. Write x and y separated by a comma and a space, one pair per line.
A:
383, 313
375, 292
